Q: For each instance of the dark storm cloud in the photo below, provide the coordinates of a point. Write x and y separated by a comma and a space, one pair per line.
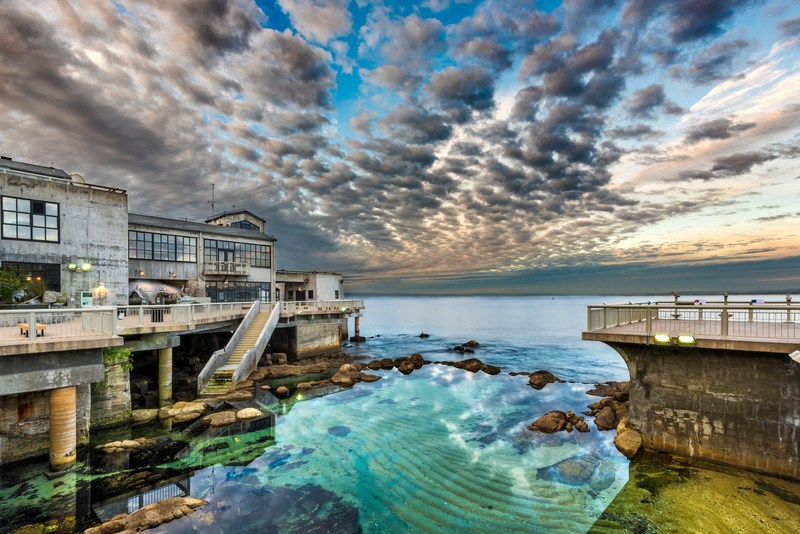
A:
394, 77
581, 12
511, 22
488, 51
790, 27
526, 104
415, 125
739, 163
689, 20
293, 122
413, 38
646, 101
462, 87
713, 63
217, 26
636, 12
717, 129
285, 70
638, 131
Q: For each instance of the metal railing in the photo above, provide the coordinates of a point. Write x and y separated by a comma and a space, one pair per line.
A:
251, 356
232, 268
320, 306
56, 323
732, 320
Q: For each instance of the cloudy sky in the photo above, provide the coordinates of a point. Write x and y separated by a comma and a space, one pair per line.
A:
497, 146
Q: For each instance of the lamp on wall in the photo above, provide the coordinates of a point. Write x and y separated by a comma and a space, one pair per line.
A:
79, 266
225, 283
86, 266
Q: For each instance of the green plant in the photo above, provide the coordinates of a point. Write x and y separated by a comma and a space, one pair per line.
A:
11, 281
118, 355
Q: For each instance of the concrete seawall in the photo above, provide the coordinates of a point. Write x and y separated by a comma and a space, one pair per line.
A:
733, 407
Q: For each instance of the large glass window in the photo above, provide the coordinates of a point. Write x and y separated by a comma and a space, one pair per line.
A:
164, 247
237, 291
249, 253
31, 220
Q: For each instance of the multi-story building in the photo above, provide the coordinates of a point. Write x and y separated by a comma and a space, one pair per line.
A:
69, 234
226, 263
309, 285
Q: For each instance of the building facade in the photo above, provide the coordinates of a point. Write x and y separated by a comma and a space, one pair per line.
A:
225, 263
64, 232
309, 285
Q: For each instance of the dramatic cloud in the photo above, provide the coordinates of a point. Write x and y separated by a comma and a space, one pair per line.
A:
408, 145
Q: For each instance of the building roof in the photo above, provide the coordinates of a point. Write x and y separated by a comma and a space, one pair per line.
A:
234, 212
30, 168
192, 226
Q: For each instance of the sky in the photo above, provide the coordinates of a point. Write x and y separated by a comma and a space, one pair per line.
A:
442, 146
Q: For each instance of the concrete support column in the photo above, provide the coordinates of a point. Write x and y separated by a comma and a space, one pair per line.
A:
165, 377
357, 338
63, 427
357, 327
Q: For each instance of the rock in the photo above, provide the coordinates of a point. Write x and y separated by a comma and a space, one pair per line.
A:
417, 359
423, 335
348, 368
248, 413
220, 418
554, 421
605, 419
238, 396
144, 416
279, 358
540, 379
314, 384
609, 388
577, 422
265, 360
283, 371
259, 374
471, 344
245, 384
399, 361
473, 365
490, 369
266, 388
369, 378
603, 477
357, 339
628, 442
282, 391
186, 416
343, 381
151, 516
573, 471
621, 396
374, 365
406, 367
387, 363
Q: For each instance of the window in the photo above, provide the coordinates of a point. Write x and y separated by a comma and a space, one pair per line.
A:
336, 294
310, 294
164, 247
238, 291
245, 225
31, 220
49, 272
249, 253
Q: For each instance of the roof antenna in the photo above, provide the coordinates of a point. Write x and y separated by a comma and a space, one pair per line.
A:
212, 200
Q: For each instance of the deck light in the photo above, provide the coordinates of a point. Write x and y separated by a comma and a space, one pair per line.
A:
72, 267
662, 339
686, 340
86, 266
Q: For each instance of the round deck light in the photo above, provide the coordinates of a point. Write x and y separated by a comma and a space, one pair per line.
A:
686, 340
662, 339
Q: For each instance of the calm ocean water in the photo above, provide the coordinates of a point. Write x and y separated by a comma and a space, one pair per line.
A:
440, 450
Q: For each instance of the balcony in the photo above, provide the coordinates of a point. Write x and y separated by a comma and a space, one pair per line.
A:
226, 268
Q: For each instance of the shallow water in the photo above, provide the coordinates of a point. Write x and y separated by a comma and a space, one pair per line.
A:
440, 450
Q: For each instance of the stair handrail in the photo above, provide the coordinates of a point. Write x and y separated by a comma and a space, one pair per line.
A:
220, 357
253, 355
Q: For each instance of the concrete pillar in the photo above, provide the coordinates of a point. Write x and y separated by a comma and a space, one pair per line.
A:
63, 427
165, 377
357, 327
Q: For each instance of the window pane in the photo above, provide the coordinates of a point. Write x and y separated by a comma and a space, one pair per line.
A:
24, 219
9, 231
52, 222
9, 203
51, 209
23, 232
38, 234
38, 220
52, 235
10, 217
23, 205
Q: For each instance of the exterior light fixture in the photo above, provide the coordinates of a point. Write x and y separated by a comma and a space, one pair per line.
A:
140, 273
662, 339
86, 266
686, 340
28, 277
72, 267
225, 283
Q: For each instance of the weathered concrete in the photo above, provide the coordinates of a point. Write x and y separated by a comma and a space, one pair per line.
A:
63, 427
24, 373
739, 408
307, 340
111, 398
164, 377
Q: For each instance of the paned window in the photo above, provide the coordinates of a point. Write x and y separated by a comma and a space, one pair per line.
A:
30, 220
249, 253
245, 225
163, 247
